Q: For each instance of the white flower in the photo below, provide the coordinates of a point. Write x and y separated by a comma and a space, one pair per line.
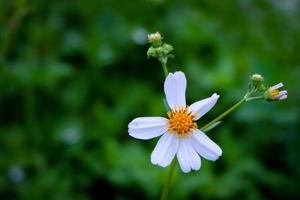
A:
274, 94
180, 134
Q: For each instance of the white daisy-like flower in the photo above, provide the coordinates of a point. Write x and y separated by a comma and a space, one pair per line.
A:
274, 94
180, 134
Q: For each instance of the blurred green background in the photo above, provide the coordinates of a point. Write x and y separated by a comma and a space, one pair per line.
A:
73, 74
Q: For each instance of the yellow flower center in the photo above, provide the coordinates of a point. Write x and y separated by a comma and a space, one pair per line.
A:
274, 93
181, 121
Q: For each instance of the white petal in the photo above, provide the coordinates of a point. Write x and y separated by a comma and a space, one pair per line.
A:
175, 86
277, 86
165, 150
283, 92
205, 146
208, 155
147, 127
187, 157
283, 97
199, 108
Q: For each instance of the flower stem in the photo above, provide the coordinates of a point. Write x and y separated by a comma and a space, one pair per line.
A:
224, 113
165, 68
254, 98
165, 192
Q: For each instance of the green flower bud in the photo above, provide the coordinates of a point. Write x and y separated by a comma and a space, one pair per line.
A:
161, 52
257, 77
258, 82
166, 48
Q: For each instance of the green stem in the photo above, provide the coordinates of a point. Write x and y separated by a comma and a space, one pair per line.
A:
254, 98
165, 192
224, 114
165, 68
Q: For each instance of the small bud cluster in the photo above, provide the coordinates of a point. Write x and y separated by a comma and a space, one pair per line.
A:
158, 49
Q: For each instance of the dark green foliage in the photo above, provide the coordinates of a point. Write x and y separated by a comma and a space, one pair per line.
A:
73, 74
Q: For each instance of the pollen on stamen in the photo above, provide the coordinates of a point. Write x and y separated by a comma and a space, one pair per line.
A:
181, 122
274, 93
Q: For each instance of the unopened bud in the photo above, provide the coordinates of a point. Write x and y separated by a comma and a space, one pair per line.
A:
162, 52
257, 77
155, 39
258, 82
